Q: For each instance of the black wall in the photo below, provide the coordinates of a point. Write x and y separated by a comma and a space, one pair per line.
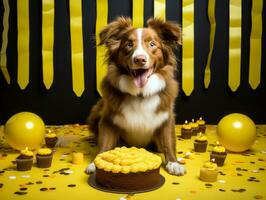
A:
59, 105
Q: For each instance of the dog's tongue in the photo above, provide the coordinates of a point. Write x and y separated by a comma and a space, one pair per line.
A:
141, 80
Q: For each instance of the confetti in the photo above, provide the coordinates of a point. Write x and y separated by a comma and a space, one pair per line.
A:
71, 185
20, 193
25, 176
12, 177
221, 181
43, 189
258, 196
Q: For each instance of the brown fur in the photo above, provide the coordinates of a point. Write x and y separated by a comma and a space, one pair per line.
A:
116, 36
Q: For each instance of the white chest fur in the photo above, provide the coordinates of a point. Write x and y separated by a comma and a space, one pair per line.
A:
139, 119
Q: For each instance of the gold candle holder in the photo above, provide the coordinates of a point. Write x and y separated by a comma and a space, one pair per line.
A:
77, 158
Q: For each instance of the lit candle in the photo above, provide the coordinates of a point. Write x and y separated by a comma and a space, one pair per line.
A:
77, 158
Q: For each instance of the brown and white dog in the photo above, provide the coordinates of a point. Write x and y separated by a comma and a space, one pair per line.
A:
139, 90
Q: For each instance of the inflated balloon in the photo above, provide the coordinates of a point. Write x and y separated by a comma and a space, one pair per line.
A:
236, 132
23, 130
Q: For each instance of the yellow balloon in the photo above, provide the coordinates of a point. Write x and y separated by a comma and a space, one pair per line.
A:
23, 130
236, 132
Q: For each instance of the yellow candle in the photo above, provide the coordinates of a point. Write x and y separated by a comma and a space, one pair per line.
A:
77, 158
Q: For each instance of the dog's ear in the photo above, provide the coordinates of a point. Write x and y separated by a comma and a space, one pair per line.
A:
111, 35
169, 32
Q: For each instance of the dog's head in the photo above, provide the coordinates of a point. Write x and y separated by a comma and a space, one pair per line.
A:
140, 52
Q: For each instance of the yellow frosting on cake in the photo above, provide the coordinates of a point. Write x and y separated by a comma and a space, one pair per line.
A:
26, 152
44, 151
186, 126
126, 160
200, 121
219, 149
50, 135
201, 137
210, 165
194, 124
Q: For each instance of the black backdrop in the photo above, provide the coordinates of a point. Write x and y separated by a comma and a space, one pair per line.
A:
59, 105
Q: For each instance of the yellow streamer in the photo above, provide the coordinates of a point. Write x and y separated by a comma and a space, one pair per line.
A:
23, 42
255, 44
211, 15
188, 47
47, 41
138, 13
234, 44
75, 7
4, 42
101, 21
159, 9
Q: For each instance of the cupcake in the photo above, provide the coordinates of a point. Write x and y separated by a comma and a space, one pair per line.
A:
200, 143
44, 158
50, 139
202, 125
24, 160
219, 154
209, 172
186, 130
195, 127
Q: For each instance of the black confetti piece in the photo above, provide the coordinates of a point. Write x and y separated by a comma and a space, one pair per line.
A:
175, 183
208, 185
45, 175
2, 171
23, 188
39, 182
52, 188
1, 185
43, 189
222, 190
20, 193
71, 185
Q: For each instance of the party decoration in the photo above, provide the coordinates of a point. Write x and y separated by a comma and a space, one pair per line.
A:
212, 21
159, 9
234, 67
3, 65
138, 13
23, 42
75, 7
188, 47
101, 21
47, 42
24, 129
236, 132
255, 44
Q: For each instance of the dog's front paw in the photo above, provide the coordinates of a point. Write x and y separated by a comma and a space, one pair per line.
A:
90, 168
175, 168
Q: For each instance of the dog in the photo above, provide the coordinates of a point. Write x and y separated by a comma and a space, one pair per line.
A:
139, 90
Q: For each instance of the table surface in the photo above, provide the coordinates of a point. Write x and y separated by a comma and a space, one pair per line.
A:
242, 177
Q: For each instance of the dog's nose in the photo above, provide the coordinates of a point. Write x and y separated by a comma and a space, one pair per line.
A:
140, 60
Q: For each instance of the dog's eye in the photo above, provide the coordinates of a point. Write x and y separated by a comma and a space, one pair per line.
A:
130, 44
152, 44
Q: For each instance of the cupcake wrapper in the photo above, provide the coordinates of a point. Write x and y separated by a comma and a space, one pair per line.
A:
219, 159
44, 161
24, 164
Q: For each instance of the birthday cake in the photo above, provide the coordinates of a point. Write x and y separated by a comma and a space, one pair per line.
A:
127, 168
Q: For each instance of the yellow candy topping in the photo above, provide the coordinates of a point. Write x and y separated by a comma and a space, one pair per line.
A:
186, 126
44, 151
193, 124
219, 149
200, 121
201, 137
126, 160
50, 135
26, 152
210, 165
